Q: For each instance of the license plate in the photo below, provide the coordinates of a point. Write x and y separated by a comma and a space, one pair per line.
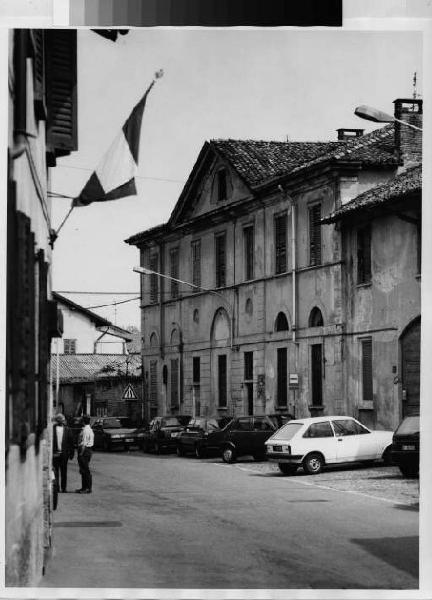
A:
408, 447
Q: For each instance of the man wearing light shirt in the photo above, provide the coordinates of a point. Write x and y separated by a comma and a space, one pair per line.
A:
85, 445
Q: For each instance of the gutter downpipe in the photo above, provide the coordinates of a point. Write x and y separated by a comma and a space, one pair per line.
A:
294, 268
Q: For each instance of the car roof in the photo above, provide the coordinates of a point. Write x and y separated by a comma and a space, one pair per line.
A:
309, 420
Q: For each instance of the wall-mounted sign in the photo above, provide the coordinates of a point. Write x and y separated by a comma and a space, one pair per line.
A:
129, 393
293, 381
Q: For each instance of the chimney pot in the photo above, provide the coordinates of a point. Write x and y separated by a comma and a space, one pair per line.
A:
408, 141
345, 133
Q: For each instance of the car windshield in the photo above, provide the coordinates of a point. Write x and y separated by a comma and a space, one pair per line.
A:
287, 432
126, 422
409, 425
171, 422
111, 423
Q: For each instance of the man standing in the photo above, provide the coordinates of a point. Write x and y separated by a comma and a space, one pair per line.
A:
63, 450
85, 445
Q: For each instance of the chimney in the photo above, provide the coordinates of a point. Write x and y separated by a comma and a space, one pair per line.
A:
408, 141
348, 134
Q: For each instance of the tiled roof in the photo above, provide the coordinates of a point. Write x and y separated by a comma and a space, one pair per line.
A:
407, 182
260, 161
74, 368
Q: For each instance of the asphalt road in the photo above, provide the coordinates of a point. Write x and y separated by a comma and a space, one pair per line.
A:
169, 522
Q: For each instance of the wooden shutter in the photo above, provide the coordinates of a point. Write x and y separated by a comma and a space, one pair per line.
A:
174, 260
196, 369
280, 244
153, 384
196, 263
317, 374
37, 38
248, 366
61, 92
282, 377
20, 79
315, 234
248, 233
44, 345
174, 383
220, 261
367, 377
154, 280
364, 270
222, 380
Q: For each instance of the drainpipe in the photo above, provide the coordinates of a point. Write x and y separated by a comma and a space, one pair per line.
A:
294, 268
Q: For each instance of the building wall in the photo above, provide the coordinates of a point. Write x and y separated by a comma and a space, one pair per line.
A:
80, 328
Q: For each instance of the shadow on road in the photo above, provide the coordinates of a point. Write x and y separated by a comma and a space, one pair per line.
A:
399, 552
415, 506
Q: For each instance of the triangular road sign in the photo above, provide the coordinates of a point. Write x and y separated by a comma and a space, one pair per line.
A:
129, 393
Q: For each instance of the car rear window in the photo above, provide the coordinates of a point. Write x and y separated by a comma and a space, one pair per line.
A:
409, 425
111, 423
287, 432
171, 422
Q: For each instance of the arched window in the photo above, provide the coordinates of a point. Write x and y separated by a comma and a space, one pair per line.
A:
316, 318
281, 323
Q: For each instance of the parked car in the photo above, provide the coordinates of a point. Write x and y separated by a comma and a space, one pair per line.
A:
163, 433
246, 436
201, 436
406, 446
109, 433
318, 441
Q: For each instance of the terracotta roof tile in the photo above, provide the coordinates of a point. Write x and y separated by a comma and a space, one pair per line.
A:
74, 368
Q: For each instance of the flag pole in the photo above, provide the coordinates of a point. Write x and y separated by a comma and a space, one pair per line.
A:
55, 232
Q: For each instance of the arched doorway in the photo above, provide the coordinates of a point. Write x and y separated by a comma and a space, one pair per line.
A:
410, 368
220, 361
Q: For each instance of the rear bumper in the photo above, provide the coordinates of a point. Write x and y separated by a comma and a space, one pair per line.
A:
283, 457
405, 457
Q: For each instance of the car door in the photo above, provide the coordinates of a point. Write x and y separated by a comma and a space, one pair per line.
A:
240, 435
262, 430
349, 441
319, 437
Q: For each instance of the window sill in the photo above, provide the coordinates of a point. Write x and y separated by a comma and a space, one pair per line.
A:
222, 408
366, 284
316, 407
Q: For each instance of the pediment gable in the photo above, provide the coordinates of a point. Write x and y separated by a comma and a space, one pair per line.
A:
213, 183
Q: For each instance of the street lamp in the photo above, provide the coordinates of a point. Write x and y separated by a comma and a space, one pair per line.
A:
378, 116
145, 271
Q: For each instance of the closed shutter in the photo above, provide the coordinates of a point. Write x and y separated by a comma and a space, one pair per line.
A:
317, 374
248, 366
364, 271
153, 384
174, 383
154, 281
280, 244
174, 260
196, 263
222, 380
61, 91
38, 46
249, 252
315, 234
220, 261
196, 369
44, 345
367, 377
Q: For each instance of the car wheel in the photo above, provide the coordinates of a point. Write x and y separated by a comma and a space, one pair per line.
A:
106, 446
408, 470
157, 448
228, 454
287, 469
200, 451
387, 459
313, 464
126, 447
180, 450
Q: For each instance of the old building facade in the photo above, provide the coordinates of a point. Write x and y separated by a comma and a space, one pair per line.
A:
253, 315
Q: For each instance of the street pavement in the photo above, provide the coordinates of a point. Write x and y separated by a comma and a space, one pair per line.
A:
168, 522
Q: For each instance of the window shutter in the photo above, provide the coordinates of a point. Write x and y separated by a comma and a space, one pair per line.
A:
248, 366
38, 50
174, 259
364, 262
44, 343
280, 244
153, 384
174, 383
196, 264
222, 380
315, 234
196, 369
282, 377
61, 79
154, 282
249, 252
367, 369
220, 261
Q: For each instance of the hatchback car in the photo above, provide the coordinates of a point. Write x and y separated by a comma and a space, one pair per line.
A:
246, 436
163, 432
109, 433
318, 441
406, 446
200, 437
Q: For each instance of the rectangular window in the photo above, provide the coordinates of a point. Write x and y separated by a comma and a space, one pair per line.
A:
364, 272
174, 383
196, 369
154, 279
222, 380
280, 244
196, 263
249, 254
248, 366
367, 381
282, 377
69, 346
153, 383
174, 271
315, 234
220, 251
317, 374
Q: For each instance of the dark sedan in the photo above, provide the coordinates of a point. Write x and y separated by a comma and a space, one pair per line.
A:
163, 433
405, 449
109, 433
201, 436
246, 436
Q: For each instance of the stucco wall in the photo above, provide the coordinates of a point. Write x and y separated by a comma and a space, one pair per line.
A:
80, 328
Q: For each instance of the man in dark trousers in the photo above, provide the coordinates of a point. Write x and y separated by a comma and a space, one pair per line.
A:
63, 450
85, 445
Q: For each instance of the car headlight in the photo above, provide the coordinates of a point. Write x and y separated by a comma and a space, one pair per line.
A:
115, 435
140, 435
286, 449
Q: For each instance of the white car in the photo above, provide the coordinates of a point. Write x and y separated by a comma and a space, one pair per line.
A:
318, 441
